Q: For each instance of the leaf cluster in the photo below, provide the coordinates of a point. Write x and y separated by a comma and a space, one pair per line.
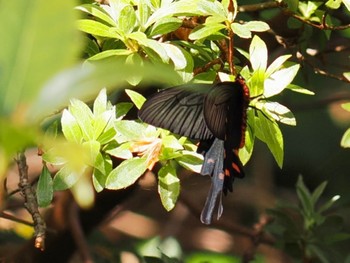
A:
309, 230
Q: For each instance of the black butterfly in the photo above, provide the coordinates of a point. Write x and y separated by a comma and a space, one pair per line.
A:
215, 114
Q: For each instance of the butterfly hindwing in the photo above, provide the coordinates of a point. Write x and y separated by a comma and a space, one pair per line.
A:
178, 109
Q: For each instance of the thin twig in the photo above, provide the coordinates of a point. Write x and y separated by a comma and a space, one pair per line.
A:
78, 233
225, 223
30, 202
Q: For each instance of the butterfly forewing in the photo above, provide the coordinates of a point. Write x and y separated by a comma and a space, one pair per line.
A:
178, 109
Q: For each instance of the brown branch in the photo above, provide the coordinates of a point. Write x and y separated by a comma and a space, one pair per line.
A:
78, 233
322, 26
320, 71
260, 6
30, 202
217, 61
15, 219
226, 223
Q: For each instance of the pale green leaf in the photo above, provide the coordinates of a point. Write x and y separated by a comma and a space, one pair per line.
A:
110, 53
345, 140
136, 98
98, 12
38, 40
279, 80
165, 25
279, 112
102, 167
100, 103
126, 173
92, 149
70, 127
347, 74
84, 117
127, 19
44, 190
206, 30
170, 141
257, 26
168, 186
83, 192
191, 161
65, 178
96, 28
129, 130
276, 65
346, 106
241, 30
176, 56
122, 151
258, 54
299, 89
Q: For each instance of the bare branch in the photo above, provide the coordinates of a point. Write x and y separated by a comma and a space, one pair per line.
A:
30, 201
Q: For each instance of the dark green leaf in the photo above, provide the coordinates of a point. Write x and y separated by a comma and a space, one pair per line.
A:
122, 109
44, 190
165, 25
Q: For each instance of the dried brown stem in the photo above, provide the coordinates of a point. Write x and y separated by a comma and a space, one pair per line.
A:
30, 201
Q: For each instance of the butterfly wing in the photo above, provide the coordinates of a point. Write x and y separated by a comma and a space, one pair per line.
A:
179, 109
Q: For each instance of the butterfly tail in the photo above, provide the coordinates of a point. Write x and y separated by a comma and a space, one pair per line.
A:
233, 168
213, 164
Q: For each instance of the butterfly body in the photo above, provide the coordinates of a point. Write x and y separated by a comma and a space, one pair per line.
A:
215, 114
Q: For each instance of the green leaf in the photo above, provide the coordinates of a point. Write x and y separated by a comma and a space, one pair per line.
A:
279, 112
269, 132
110, 53
98, 12
96, 28
246, 152
136, 98
258, 54
129, 130
279, 80
206, 30
70, 127
191, 161
165, 25
122, 108
318, 192
92, 149
276, 65
102, 121
176, 56
346, 106
257, 26
84, 117
241, 30
304, 196
347, 5
39, 41
328, 204
100, 103
126, 173
333, 4
107, 136
299, 89
177, 8
65, 178
168, 186
44, 190
170, 141
127, 19
345, 140
102, 167
122, 151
